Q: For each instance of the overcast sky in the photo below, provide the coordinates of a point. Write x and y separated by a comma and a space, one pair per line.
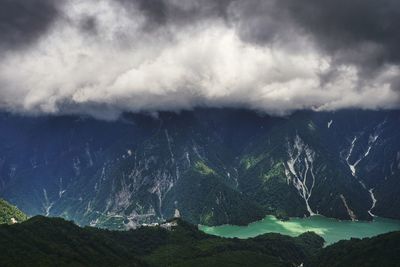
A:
103, 57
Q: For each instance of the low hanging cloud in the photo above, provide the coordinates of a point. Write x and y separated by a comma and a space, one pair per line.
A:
110, 56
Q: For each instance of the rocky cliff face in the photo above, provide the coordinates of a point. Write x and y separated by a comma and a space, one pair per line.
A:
215, 166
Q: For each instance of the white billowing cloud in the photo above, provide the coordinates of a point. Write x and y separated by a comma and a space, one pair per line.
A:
120, 68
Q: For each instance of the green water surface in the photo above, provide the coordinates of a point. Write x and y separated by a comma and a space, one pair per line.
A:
331, 230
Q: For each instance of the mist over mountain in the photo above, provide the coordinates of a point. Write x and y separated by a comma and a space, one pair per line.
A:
110, 56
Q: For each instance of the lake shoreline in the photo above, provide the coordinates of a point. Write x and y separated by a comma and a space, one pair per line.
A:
331, 229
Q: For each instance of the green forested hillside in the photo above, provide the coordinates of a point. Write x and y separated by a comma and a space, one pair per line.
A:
10, 214
383, 250
43, 241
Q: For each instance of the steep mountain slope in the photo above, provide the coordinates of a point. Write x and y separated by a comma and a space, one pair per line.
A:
215, 166
10, 214
47, 242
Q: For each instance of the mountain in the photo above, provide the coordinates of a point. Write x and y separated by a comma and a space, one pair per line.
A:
216, 166
10, 214
44, 241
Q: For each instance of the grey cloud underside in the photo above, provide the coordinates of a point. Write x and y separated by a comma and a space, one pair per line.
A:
365, 33
344, 25
104, 57
339, 26
23, 21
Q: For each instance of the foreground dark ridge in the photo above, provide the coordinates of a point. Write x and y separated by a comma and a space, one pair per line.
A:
42, 241
382, 250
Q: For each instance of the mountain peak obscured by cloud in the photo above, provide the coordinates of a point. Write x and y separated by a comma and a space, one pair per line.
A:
109, 56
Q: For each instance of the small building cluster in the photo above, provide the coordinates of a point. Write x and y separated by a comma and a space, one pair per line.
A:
166, 225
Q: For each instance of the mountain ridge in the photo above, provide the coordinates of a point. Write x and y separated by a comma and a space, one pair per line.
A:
216, 166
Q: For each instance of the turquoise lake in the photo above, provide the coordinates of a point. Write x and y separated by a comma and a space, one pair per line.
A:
332, 230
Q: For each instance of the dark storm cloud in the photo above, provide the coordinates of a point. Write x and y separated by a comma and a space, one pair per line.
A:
88, 24
103, 57
361, 31
23, 21
178, 12
259, 22
364, 33
155, 10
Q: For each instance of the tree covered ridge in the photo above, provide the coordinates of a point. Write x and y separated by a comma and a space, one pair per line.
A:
382, 250
10, 214
42, 241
